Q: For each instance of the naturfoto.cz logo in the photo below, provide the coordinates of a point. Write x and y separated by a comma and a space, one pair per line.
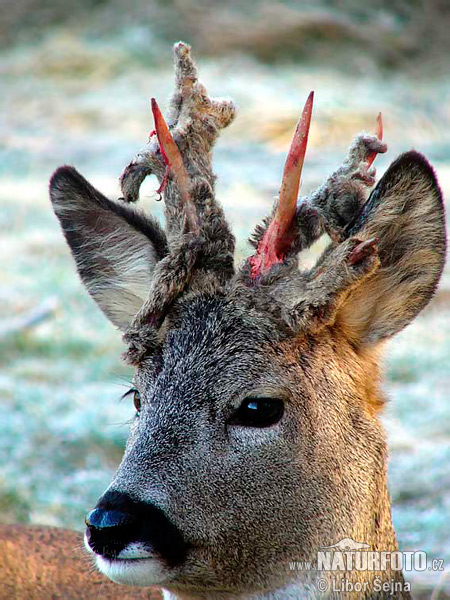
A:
349, 555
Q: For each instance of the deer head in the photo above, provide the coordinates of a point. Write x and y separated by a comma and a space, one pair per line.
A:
257, 437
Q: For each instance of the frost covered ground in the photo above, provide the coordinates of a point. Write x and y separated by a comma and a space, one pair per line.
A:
62, 426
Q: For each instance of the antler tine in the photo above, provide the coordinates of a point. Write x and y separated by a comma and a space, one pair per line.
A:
184, 65
174, 162
379, 133
293, 169
277, 240
191, 95
186, 74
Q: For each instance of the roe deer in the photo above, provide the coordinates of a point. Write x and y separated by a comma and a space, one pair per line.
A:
257, 439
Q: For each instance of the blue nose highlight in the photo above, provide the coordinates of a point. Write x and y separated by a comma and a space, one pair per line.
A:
101, 519
109, 531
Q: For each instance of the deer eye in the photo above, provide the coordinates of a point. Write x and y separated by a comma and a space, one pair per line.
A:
258, 412
136, 399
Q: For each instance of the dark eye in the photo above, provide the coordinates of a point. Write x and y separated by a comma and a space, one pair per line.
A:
258, 412
136, 399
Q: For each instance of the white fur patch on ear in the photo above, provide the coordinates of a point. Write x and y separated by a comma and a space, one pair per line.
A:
115, 246
121, 272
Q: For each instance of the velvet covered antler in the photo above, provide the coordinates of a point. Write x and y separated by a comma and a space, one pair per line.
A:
201, 245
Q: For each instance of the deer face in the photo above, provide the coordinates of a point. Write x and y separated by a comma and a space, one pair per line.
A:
238, 442
257, 439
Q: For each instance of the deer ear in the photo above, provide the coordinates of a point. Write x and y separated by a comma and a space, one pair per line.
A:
406, 213
115, 247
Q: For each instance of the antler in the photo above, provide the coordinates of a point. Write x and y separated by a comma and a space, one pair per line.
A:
278, 238
332, 208
201, 245
174, 162
181, 156
309, 299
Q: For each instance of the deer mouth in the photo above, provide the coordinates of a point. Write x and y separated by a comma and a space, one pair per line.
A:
131, 552
139, 571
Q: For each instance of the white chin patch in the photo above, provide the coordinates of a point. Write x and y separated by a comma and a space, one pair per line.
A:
135, 565
134, 571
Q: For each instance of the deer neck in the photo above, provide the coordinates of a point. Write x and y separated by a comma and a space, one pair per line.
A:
373, 524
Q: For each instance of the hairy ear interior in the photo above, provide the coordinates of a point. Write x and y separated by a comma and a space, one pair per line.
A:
115, 247
405, 212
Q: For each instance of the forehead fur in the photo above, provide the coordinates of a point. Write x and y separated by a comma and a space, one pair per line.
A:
216, 323
210, 351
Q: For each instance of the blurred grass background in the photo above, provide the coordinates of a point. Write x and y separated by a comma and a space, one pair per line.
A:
75, 83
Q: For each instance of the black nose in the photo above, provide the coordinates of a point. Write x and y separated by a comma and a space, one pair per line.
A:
119, 520
108, 532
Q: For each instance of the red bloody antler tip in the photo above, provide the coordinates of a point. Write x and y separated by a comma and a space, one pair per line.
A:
174, 163
379, 127
293, 167
275, 241
379, 133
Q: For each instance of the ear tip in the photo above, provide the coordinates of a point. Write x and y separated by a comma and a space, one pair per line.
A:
62, 173
63, 178
415, 160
